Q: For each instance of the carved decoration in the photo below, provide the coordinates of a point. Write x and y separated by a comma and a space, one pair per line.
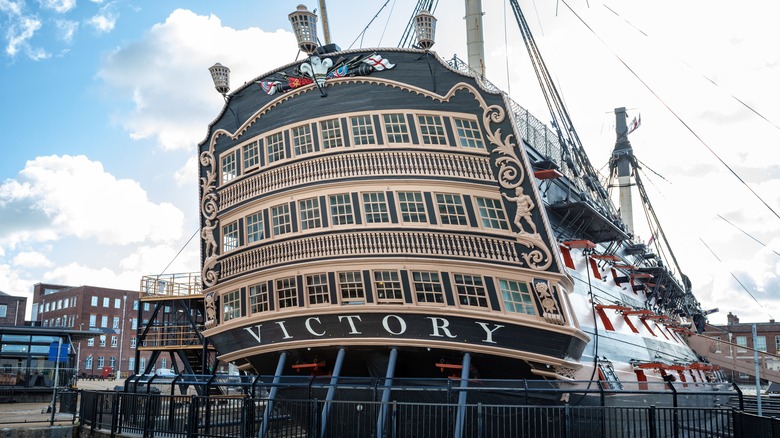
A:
551, 310
511, 173
211, 310
566, 371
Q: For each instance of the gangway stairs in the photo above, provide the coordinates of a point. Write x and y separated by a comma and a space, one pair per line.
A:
736, 358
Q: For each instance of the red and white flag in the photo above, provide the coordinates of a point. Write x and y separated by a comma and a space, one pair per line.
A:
635, 123
378, 62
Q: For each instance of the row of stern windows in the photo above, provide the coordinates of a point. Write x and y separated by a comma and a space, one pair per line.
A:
380, 287
349, 209
396, 129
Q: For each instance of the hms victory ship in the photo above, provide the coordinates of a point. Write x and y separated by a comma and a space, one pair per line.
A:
386, 213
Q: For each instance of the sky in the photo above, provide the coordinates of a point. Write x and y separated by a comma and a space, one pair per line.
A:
104, 103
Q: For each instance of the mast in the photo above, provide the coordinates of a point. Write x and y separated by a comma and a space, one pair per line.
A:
622, 165
324, 15
475, 42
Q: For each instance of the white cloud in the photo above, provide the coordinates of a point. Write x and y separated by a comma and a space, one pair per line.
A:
12, 283
78, 198
67, 30
103, 23
187, 173
11, 7
31, 259
18, 36
60, 6
166, 74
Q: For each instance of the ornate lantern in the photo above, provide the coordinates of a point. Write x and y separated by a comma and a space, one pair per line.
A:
221, 77
425, 28
304, 24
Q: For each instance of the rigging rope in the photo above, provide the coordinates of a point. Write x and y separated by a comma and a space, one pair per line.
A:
747, 234
701, 140
712, 81
737, 279
363, 32
182, 249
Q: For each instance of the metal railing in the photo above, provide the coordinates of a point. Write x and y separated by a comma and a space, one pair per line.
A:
17, 409
183, 284
194, 416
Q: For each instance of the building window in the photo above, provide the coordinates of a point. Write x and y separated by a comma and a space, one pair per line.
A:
351, 287
317, 289
113, 341
375, 206
275, 147
45, 322
46, 305
760, 343
230, 237
471, 290
115, 325
302, 140
777, 344
432, 129
104, 321
287, 292
91, 342
106, 302
131, 364
117, 303
310, 213
88, 362
395, 126
280, 217
331, 133
517, 297
231, 305
341, 209
142, 364
94, 302
73, 302
112, 361
163, 363
491, 214
258, 298
102, 342
363, 130
251, 155
58, 322
412, 207
427, 287
133, 342
101, 361
468, 134
229, 171
135, 304
134, 325
92, 320
59, 304
388, 287
741, 344
254, 228
451, 211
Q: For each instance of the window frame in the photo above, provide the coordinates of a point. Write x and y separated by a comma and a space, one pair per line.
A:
369, 204
425, 123
331, 133
275, 149
230, 237
350, 290
381, 292
462, 134
309, 213
462, 292
281, 219
508, 299
286, 293
363, 134
427, 287
317, 289
414, 209
345, 217
231, 305
228, 167
307, 145
488, 221
446, 215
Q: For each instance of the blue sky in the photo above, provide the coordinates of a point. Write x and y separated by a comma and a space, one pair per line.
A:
104, 103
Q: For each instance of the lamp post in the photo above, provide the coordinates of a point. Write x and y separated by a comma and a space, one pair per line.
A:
121, 338
304, 24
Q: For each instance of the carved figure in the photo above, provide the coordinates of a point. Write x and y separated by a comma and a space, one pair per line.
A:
524, 205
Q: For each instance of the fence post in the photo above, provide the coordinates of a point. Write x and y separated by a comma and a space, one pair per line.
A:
192, 418
480, 431
567, 420
314, 409
94, 411
741, 398
394, 416
114, 413
675, 411
651, 421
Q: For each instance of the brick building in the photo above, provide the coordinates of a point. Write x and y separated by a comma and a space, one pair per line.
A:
737, 340
12, 309
112, 314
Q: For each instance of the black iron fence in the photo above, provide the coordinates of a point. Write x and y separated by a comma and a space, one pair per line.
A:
23, 408
358, 410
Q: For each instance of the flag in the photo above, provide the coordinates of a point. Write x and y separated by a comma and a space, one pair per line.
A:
652, 238
634, 124
296, 82
339, 72
269, 86
378, 62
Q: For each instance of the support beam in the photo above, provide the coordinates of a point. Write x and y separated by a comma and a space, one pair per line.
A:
380, 422
269, 405
464, 383
334, 379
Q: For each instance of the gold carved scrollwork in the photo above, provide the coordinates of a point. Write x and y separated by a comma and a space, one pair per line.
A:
551, 310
